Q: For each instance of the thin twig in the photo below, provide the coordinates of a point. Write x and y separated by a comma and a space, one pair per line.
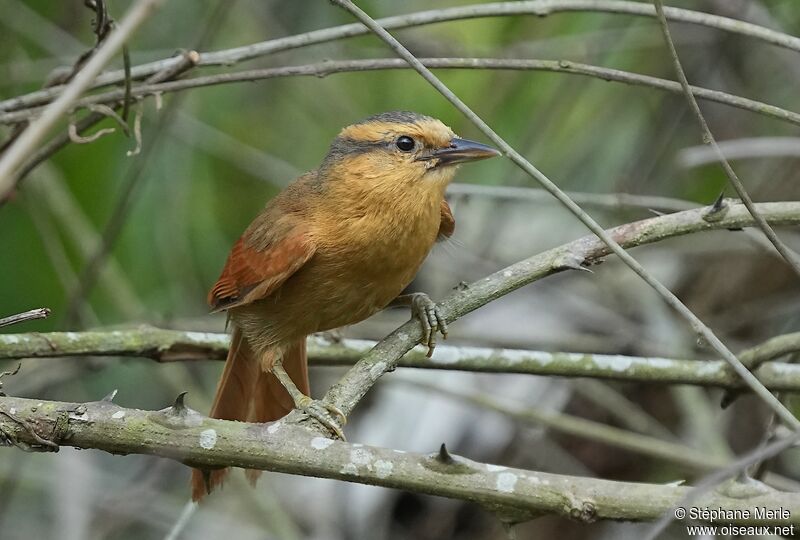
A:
322, 69
51, 147
792, 258
624, 411
188, 60
538, 8
53, 198
742, 148
361, 383
126, 101
600, 200
95, 262
28, 140
39, 313
55, 249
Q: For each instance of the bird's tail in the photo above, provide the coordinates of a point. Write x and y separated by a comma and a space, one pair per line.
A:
248, 393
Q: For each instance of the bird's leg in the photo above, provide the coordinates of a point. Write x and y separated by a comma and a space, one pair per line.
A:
426, 310
319, 410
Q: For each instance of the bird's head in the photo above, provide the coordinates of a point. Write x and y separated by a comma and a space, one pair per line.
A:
401, 148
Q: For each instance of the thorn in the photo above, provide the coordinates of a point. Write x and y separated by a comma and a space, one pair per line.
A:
717, 206
462, 286
676, 483
572, 261
110, 396
656, 212
701, 341
717, 210
179, 407
511, 533
573, 265
581, 268
728, 398
444, 456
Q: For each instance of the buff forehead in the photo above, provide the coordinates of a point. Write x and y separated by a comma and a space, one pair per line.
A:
430, 130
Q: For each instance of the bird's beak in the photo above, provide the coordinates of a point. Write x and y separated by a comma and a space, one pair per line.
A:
462, 150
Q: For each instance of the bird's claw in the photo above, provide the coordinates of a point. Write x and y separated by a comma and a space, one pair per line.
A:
431, 318
324, 413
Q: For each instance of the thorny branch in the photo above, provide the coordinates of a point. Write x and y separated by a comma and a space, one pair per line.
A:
514, 494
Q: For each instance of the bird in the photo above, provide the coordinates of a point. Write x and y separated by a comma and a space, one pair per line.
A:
336, 245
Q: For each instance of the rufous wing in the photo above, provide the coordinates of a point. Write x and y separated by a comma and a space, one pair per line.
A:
447, 225
251, 274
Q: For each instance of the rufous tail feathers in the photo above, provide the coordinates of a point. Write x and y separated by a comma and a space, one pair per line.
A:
247, 393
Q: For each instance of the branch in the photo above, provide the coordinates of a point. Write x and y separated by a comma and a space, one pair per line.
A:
28, 140
600, 200
791, 258
180, 346
517, 495
322, 69
186, 61
32, 314
588, 250
360, 381
172, 346
538, 8
740, 148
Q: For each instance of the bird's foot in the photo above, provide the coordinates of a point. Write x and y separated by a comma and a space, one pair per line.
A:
320, 411
431, 318
324, 413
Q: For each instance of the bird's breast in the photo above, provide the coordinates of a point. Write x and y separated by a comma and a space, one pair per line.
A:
385, 246
364, 260
365, 256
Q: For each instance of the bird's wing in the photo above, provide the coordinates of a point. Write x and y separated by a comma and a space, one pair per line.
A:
251, 274
448, 223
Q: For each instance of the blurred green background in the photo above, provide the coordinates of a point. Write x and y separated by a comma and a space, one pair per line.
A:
211, 157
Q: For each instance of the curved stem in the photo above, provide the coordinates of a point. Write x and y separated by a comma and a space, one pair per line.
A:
538, 8
323, 69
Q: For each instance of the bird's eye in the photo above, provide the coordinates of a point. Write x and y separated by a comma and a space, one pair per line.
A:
405, 143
